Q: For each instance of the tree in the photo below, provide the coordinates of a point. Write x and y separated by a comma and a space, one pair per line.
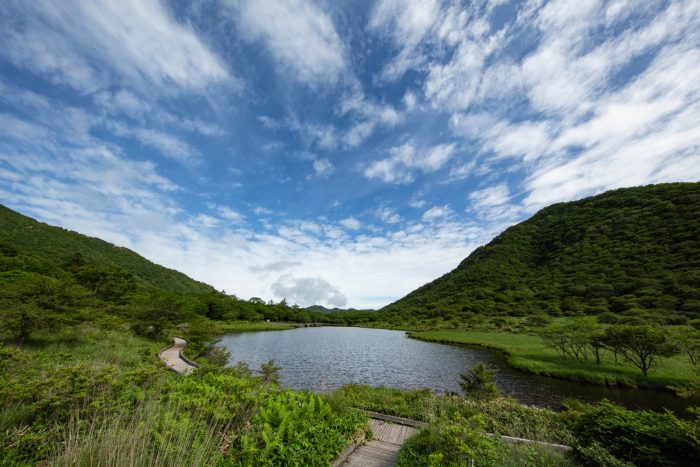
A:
572, 339
478, 382
31, 301
688, 339
218, 356
596, 341
270, 372
640, 345
154, 311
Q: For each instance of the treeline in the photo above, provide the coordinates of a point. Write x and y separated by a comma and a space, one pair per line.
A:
631, 252
643, 346
36, 294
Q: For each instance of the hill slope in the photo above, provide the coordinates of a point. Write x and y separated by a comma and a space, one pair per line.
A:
25, 236
631, 251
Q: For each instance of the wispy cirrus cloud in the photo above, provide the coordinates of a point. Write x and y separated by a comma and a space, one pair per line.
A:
74, 43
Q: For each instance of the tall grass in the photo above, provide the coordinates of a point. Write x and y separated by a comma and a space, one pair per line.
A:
154, 434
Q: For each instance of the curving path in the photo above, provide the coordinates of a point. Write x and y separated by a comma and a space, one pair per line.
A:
172, 357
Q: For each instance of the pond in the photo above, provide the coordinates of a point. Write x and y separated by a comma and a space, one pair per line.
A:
325, 358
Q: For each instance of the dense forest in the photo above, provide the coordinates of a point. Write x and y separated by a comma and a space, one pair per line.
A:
632, 253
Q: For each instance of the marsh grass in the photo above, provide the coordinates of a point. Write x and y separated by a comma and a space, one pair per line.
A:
139, 438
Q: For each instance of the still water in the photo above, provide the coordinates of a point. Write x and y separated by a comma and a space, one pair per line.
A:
325, 358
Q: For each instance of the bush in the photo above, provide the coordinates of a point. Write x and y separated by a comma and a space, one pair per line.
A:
641, 437
478, 382
454, 442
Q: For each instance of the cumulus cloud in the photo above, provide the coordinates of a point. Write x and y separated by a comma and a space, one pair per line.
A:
307, 291
388, 215
351, 223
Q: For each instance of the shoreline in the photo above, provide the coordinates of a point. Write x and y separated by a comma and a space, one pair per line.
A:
607, 379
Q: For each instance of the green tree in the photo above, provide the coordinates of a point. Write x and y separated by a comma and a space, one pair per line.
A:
477, 382
30, 301
640, 345
688, 339
270, 372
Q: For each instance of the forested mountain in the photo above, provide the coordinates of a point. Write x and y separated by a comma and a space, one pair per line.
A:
21, 236
632, 251
51, 278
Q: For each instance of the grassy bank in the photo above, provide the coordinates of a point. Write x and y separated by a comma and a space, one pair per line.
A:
528, 353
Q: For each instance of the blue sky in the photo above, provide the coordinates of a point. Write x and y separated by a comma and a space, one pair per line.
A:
340, 153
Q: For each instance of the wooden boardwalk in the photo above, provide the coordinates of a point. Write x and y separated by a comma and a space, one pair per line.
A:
383, 449
172, 357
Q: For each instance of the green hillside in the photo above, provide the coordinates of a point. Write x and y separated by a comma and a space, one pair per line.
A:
23, 236
632, 251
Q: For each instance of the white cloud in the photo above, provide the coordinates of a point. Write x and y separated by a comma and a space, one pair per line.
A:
307, 291
167, 144
388, 215
351, 223
323, 168
586, 129
461, 172
227, 213
369, 116
122, 102
404, 159
492, 196
298, 34
72, 42
409, 101
406, 22
436, 212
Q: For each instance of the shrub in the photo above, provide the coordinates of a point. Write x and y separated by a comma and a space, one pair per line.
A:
478, 382
641, 437
455, 442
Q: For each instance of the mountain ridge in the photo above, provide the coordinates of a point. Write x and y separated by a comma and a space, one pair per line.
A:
633, 250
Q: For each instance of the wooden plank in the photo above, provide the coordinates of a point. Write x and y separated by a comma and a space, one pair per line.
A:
383, 449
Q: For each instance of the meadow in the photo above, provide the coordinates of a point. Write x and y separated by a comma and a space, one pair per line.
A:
528, 352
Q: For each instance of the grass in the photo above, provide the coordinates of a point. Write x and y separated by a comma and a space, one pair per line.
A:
243, 326
529, 354
130, 440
